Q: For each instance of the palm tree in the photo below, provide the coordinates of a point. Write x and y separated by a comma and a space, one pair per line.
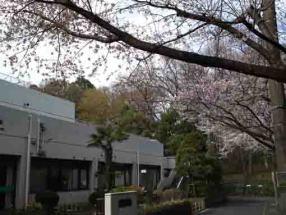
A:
103, 138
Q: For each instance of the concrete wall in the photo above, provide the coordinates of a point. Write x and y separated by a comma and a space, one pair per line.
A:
169, 162
25, 99
67, 140
80, 196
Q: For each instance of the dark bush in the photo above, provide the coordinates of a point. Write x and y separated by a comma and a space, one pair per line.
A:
261, 188
168, 195
48, 199
138, 189
182, 208
95, 195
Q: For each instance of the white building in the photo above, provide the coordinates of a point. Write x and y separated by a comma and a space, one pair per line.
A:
60, 158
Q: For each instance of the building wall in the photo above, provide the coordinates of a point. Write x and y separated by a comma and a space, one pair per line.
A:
25, 99
67, 140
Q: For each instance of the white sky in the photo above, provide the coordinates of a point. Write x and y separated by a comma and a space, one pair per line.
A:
102, 78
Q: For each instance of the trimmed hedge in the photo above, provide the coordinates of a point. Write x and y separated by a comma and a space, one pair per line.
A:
170, 208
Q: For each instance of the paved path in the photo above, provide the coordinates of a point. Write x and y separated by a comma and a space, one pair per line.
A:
239, 206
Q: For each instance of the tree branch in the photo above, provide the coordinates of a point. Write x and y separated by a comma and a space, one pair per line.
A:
276, 73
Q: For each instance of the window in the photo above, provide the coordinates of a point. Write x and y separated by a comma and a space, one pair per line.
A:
75, 179
1, 125
150, 176
59, 175
83, 179
38, 178
121, 175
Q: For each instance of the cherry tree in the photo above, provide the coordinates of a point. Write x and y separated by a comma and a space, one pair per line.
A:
232, 107
140, 28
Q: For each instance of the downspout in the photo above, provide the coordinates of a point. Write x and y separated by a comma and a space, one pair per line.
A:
28, 161
138, 166
38, 136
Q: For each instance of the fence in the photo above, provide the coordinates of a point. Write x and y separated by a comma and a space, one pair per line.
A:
198, 204
260, 188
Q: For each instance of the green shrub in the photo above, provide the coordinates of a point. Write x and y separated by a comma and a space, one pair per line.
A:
138, 189
48, 200
251, 188
122, 189
168, 195
182, 207
95, 195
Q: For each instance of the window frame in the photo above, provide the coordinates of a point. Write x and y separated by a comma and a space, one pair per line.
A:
50, 164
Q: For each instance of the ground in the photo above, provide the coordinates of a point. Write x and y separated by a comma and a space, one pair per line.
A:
239, 206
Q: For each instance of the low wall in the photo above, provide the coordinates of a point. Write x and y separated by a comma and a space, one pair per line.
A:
69, 197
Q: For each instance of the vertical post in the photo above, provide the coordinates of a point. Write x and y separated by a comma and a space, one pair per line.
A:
38, 135
138, 165
28, 161
92, 175
274, 180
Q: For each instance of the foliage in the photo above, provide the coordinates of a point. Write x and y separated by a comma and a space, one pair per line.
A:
103, 22
194, 161
61, 88
168, 195
100, 106
95, 195
183, 207
64, 89
170, 130
48, 200
104, 137
139, 190
186, 29
83, 83
135, 122
261, 188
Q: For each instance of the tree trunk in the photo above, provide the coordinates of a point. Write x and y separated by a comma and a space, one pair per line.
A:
108, 168
277, 96
276, 89
250, 164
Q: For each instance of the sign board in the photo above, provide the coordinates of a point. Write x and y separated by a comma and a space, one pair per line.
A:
122, 203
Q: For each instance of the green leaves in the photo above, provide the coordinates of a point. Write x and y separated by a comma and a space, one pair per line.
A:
195, 161
171, 130
103, 138
106, 135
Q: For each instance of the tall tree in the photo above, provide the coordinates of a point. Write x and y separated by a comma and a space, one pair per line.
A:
135, 122
194, 160
251, 24
104, 138
61, 88
100, 106
170, 129
83, 83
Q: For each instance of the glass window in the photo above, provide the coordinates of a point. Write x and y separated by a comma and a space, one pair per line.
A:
38, 179
119, 178
54, 177
127, 177
75, 179
58, 175
83, 179
66, 179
